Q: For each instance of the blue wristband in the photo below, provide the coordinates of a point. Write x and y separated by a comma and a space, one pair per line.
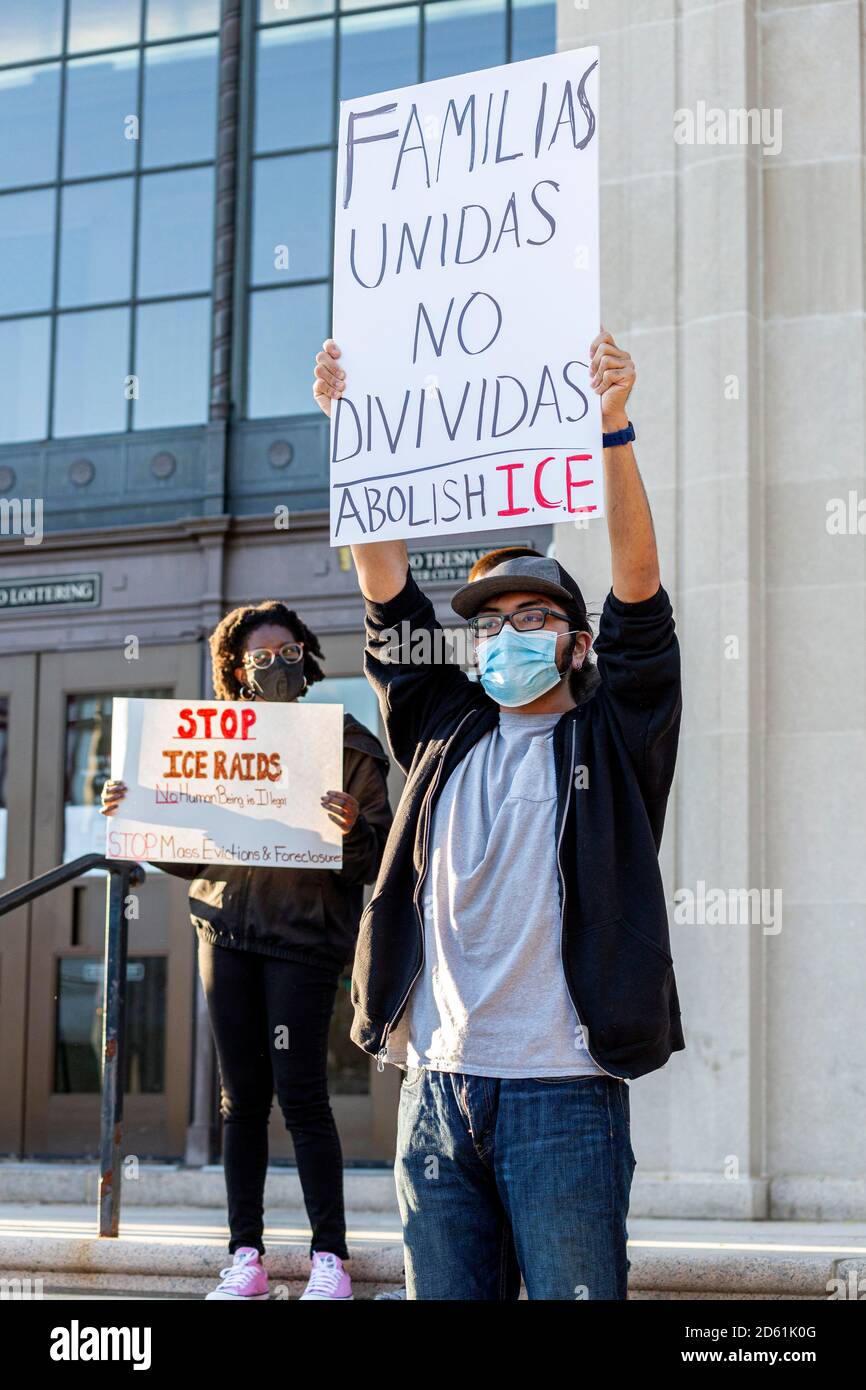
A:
618, 437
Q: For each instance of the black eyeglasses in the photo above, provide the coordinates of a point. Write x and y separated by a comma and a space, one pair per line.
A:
524, 620
262, 657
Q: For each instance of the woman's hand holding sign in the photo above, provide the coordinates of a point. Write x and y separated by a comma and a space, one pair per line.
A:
342, 809
112, 795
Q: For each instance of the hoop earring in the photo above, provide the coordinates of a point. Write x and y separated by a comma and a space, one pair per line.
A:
247, 692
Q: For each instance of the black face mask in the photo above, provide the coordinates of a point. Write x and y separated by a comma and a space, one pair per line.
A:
278, 682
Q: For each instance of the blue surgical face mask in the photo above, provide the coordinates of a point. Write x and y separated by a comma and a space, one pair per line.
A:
517, 667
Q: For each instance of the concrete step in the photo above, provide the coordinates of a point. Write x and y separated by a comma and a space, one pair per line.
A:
171, 1185
177, 1252
680, 1196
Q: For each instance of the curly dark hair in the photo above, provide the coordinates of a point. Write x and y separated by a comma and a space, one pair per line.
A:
228, 641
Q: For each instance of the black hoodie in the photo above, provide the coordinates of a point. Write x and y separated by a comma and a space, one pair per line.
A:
308, 915
614, 939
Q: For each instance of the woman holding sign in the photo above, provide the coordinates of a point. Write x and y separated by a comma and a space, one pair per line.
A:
272, 944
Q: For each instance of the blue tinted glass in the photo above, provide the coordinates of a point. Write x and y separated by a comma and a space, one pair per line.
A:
172, 361
29, 105
103, 24
462, 35
354, 693
26, 251
274, 10
533, 28
378, 51
292, 218
96, 242
179, 123
294, 86
170, 19
30, 31
91, 364
366, 5
101, 93
287, 328
24, 346
175, 240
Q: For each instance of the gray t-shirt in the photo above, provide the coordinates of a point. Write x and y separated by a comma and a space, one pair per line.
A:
491, 999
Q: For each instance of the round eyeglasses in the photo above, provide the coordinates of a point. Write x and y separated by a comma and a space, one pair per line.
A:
262, 657
524, 620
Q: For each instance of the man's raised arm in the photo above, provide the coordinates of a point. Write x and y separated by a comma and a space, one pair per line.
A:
381, 565
414, 683
636, 647
633, 554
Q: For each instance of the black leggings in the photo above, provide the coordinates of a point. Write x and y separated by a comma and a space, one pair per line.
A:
270, 1021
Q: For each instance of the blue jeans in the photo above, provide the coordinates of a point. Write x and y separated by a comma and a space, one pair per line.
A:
498, 1178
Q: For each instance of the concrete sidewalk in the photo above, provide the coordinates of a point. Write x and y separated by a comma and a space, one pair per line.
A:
177, 1252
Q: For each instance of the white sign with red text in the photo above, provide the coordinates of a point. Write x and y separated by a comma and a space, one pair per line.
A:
466, 297
217, 782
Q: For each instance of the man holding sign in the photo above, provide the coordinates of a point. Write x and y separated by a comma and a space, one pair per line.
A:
515, 956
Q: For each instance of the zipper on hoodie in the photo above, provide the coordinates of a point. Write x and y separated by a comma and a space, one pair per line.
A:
562, 911
428, 813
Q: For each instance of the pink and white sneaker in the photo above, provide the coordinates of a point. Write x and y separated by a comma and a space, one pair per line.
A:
245, 1280
328, 1279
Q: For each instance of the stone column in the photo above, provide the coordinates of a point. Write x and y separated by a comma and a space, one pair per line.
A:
734, 275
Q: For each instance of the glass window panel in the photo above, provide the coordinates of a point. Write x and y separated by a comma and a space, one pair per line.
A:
78, 1025
354, 693
96, 242
100, 94
24, 348
369, 4
170, 19
294, 84
271, 11
88, 767
92, 362
346, 1077
175, 239
103, 24
287, 327
29, 105
180, 90
377, 52
462, 35
172, 363
30, 31
4, 753
533, 28
26, 251
292, 209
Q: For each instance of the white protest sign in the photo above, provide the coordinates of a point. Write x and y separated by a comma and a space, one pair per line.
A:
466, 297
218, 782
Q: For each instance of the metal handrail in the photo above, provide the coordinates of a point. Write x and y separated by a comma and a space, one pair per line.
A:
122, 875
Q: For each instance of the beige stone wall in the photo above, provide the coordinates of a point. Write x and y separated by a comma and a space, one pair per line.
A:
720, 262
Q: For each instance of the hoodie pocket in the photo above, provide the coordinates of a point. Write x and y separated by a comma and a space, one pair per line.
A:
625, 983
647, 941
